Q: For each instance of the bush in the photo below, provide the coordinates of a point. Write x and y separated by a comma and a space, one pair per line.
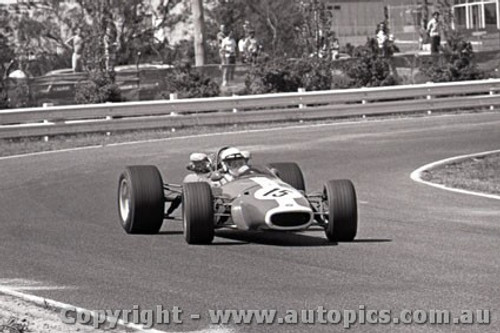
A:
20, 96
188, 83
455, 64
277, 75
4, 101
284, 75
369, 69
99, 88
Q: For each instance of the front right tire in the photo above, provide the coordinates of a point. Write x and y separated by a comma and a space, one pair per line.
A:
198, 213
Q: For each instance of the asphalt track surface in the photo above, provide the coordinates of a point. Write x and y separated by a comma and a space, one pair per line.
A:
417, 247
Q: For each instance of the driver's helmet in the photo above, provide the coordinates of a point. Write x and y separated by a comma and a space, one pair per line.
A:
233, 161
199, 163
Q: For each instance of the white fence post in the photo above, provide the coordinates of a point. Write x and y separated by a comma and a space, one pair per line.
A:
108, 118
492, 92
45, 121
302, 90
235, 110
429, 96
173, 97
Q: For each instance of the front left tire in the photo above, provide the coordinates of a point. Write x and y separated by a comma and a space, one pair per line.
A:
339, 196
141, 201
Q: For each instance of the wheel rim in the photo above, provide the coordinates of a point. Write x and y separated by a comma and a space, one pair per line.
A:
184, 218
124, 200
326, 208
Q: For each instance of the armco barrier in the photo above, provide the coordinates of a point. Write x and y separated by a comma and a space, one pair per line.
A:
248, 109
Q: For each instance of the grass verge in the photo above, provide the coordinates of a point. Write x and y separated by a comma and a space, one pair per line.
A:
477, 174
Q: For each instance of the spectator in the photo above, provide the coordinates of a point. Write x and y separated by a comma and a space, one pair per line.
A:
241, 49
110, 46
251, 47
434, 30
247, 27
220, 37
228, 49
76, 42
329, 46
382, 38
334, 45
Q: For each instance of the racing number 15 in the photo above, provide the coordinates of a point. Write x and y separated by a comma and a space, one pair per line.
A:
277, 193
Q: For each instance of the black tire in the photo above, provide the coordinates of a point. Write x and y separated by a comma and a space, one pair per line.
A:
198, 213
340, 196
290, 173
141, 201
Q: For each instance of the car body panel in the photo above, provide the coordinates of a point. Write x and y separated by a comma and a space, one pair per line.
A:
258, 200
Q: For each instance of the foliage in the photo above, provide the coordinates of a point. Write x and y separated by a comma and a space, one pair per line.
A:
457, 62
316, 23
32, 30
99, 88
444, 7
277, 23
4, 97
6, 56
368, 69
39, 31
189, 83
277, 75
21, 95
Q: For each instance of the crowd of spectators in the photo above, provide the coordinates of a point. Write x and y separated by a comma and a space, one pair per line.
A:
246, 49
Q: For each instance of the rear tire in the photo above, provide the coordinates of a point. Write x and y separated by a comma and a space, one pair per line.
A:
291, 174
198, 213
340, 196
141, 201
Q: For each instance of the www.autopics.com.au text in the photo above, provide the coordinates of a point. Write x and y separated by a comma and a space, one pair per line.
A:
320, 315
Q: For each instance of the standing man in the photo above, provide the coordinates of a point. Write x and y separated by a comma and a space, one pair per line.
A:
110, 47
220, 38
334, 45
251, 47
228, 48
434, 30
382, 38
76, 42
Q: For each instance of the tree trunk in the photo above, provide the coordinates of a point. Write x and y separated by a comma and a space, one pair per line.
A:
199, 32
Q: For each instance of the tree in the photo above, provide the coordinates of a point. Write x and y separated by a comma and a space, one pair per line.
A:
291, 28
39, 29
445, 8
6, 58
317, 21
199, 32
33, 30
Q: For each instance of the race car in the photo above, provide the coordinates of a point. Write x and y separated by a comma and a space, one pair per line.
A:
224, 190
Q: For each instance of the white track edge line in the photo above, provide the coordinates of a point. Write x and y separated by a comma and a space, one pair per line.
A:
417, 174
44, 302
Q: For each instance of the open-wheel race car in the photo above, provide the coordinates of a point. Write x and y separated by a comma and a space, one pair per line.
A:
224, 191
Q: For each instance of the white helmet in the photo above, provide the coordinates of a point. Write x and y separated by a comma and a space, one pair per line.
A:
232, 159
199, 163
